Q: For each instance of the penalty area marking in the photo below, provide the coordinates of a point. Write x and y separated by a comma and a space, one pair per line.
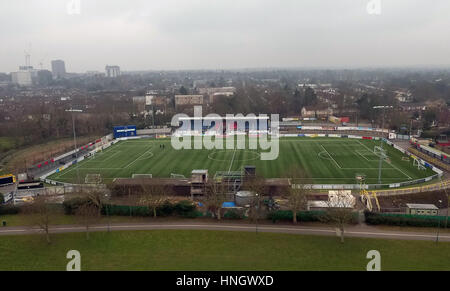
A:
331, 157
81, 166
392, 165
139, 158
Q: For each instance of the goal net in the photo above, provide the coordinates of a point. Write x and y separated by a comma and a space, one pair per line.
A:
177, 176
418, 164
142, 176
93, 179
360, 177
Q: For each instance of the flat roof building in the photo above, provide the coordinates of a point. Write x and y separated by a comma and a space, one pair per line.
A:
183, 100
422, 209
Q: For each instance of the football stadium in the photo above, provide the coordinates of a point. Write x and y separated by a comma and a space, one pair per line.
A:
323, 160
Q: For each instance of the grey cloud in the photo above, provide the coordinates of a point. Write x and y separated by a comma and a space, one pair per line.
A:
194, 34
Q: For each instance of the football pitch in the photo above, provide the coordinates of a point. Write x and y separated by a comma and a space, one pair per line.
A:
324, 160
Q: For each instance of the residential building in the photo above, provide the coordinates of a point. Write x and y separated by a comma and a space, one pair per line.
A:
316, 111
183, 100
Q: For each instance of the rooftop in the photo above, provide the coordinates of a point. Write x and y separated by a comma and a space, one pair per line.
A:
422, 206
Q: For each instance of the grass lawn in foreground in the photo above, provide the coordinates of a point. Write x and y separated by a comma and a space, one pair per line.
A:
216, 250
325, 160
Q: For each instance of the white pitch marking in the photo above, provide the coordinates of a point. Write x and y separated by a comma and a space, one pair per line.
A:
330, 156
392, 165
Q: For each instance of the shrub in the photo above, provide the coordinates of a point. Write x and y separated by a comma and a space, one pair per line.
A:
193, 214
123, 210
184, 208
4, 210
232, 214
70, 206
165, 210
2, 199
404, 220
286, 215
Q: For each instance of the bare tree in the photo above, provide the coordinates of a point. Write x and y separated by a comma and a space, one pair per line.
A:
297, 192
41, 213
215, 196
89, 207
153, 196
339, 212
88, 214
297, 199
257, 186
97, 198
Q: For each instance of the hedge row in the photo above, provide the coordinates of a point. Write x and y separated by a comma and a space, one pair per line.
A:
286, 215
405, 220
4, 210
184, 208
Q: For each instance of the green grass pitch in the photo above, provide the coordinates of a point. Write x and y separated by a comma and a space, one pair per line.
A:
325, 160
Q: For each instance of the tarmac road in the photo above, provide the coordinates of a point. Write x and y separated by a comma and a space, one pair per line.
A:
353, 231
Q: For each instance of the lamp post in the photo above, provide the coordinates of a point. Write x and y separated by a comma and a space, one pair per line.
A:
439, 222
257, 211
107, 214
448, 206
75, 137
380, 165
448, 202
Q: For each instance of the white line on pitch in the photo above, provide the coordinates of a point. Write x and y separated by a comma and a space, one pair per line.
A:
331, 156
137, 158
232, 160
392, 165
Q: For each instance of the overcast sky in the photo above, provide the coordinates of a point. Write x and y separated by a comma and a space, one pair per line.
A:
224, 34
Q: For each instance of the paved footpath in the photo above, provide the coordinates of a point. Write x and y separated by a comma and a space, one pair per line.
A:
353, 231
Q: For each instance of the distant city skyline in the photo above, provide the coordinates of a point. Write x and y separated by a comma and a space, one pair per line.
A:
217, 34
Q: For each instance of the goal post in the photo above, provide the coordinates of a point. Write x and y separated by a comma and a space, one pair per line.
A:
93, 179
418, 164
142, 176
